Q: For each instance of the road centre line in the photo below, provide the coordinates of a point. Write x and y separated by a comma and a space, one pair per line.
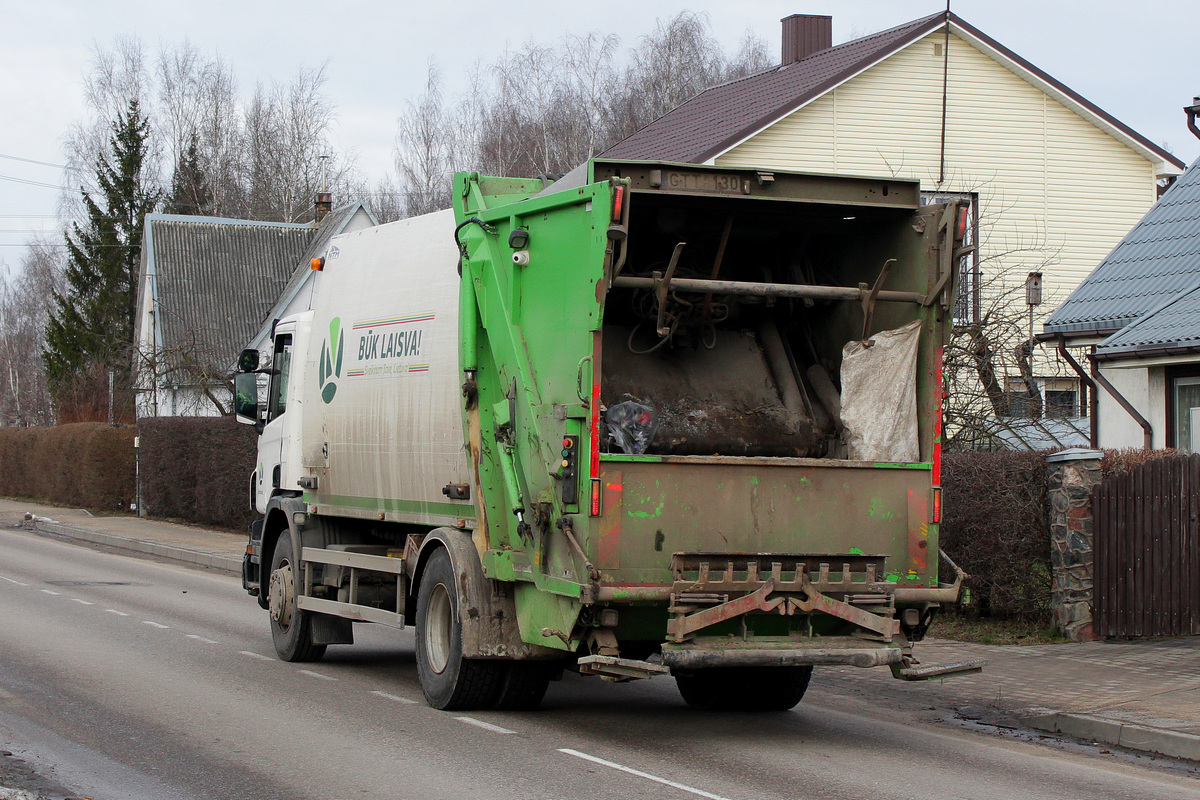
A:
201, 639
47, 591
10, 580
640, 774
259, 656
118, 613
82, 602
319, 675
395, 697
155, 624
487, 726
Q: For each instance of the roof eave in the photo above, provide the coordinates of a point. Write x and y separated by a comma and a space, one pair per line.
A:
794, 105
1165, 164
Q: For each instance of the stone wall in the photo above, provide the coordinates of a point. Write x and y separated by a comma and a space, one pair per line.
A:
1071, 475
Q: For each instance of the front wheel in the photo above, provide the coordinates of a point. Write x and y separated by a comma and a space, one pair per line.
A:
744, 688
291, 628
449, 681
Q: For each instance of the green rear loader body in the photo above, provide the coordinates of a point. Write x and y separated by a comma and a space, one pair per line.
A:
658, 418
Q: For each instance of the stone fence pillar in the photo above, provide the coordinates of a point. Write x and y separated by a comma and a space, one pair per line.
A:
1071, 474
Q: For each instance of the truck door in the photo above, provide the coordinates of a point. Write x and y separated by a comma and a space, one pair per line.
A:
273, 444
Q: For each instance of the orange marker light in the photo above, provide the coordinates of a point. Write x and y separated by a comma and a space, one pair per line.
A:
318, 264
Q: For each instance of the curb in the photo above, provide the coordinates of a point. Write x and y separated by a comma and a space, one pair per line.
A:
1123, 734
222, 562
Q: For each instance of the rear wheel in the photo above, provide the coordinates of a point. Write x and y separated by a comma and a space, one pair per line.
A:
448, 680
523, 684
744, 688
291, 628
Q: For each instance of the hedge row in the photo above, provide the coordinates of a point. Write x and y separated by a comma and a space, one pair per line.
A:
198, 469
84, 465
994, 526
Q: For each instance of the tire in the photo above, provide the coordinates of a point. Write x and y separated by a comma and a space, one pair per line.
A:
523, 684
291, 629
449, 681
744, 688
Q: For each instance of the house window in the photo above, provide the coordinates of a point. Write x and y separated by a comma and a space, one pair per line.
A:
1183, 399
966, 304
1060, 398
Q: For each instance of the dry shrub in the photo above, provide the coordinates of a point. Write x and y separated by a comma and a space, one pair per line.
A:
1116, 461
85, 465
994, 526
198, 469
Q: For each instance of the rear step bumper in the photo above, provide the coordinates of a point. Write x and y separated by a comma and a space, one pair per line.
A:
704, 658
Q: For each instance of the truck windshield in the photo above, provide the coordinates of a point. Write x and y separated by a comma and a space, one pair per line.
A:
281, 362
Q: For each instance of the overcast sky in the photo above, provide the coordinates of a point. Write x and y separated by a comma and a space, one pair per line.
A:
1137, 60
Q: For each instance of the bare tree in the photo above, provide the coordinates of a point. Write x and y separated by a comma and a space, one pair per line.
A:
423, 149
24, 308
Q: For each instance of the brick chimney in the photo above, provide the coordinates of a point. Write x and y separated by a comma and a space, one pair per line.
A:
323, 205
805, 34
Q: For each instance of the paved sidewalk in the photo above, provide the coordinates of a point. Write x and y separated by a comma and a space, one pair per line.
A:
1141, 694
202, 547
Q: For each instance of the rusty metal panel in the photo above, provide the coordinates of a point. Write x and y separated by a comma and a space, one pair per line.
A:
1147, 550
686, 504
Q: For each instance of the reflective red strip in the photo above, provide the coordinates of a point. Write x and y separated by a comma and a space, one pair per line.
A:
618, 206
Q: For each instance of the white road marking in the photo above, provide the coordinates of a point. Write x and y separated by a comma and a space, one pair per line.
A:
201, 639
682, 787
319, 675
487, 726
118, 613
10, 580
47, 591
82, 602
155, 624
395, 697
259, 656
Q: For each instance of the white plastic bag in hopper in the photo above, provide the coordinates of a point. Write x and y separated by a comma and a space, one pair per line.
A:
879, 396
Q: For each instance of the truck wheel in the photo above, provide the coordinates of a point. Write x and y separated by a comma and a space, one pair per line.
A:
744, 688
523, 684
449, 681
291, 629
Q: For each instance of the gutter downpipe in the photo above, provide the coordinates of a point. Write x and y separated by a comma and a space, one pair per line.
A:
1093, 400
1147, 430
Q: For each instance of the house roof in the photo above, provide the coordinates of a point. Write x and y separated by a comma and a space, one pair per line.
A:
213, 281
720, 118
1150, 272
1172, 328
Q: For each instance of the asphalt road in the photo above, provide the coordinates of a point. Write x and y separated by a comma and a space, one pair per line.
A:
126, 679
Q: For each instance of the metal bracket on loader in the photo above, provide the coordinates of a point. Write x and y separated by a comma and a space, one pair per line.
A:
907, 672
785, 590
619, 669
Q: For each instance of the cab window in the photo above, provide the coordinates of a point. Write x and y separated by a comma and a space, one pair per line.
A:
281, 362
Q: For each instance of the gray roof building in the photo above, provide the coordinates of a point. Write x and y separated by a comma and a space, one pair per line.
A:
1145, 295
208, 286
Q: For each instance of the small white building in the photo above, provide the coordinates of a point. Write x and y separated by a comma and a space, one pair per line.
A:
208, 287
1139, 312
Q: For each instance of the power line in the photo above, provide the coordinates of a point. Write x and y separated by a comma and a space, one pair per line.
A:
31, 161
34, 183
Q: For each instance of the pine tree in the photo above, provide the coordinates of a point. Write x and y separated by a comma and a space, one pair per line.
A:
90, 332
190, 191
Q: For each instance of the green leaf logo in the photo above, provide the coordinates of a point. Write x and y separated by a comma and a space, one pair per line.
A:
329, 368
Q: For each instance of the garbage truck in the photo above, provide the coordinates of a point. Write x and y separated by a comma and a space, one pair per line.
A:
650, 419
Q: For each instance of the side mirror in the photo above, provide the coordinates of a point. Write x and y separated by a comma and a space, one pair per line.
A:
247, 361
245, 394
